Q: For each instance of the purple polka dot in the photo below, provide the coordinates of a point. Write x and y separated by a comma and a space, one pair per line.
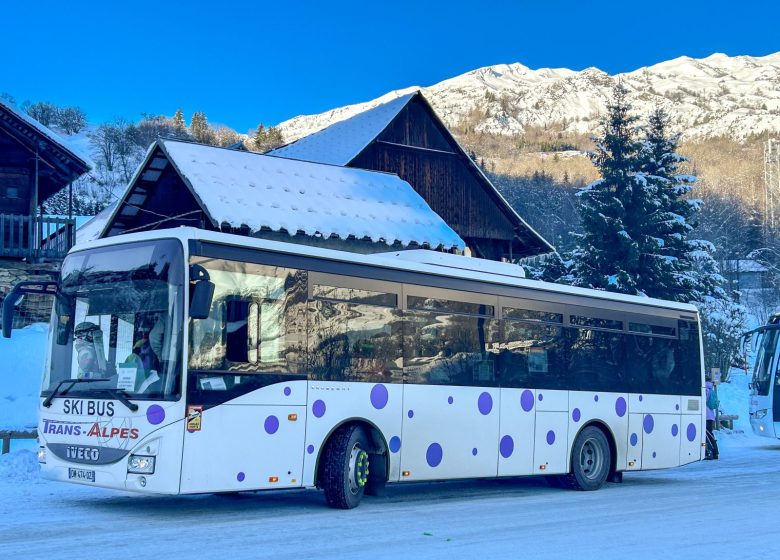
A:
634, 439
648, 423
550, 437
434, 454
675, 430
576, 415
596, 398
641, 398
620, 407
540, 397
410, 414
287, 391
485, 403
527, 400
155, 414
310, 449
240, 477
691, 432
677, 407
507, 446
474, 452
449, 400
271, 424
318, 408
395, 444
654, 454
379, 396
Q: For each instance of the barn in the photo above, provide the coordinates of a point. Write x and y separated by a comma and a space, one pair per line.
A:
406, 137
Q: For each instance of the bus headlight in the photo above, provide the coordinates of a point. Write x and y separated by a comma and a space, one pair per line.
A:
140, 464
42, 455
761, 413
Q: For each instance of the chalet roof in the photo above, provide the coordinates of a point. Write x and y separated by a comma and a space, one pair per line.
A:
245, 189
343, 141
744, 265
28, 126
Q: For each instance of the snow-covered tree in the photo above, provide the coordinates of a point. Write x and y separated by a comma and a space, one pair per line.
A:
618, 249
200, 129
71, 120
178, 120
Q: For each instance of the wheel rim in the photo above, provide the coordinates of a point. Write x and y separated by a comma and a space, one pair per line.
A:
592, 459
358, 469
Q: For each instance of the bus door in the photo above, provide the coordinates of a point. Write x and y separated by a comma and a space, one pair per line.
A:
246, 387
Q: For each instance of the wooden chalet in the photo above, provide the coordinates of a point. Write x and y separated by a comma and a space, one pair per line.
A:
246, 193
406, 137
34, 164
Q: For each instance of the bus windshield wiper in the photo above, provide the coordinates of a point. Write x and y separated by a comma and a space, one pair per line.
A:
119, 394
122, 396
56, 393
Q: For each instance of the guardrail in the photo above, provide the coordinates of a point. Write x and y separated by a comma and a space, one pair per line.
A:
36, 236
7, 435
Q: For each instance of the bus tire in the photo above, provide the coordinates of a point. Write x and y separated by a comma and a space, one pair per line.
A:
591, 460
346, 467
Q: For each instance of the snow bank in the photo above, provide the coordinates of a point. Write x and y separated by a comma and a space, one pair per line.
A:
734, 398
19, 466
21, 366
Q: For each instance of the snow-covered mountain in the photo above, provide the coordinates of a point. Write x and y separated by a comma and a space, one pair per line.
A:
714, 96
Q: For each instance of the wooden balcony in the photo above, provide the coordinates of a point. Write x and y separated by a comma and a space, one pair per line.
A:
36, 237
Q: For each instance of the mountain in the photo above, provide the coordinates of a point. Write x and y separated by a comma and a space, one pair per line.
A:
719, 95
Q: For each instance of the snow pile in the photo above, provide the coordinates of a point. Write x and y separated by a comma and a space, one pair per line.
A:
19, 466
21, 367
734, 398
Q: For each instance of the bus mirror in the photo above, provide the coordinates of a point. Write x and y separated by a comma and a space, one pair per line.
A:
200, 303
11, 301
201, 292
64, 312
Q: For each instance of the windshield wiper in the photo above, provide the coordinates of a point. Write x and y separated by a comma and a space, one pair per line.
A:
119, 394
122, 396
56, 393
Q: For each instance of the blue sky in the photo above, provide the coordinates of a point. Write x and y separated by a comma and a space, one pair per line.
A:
246, 62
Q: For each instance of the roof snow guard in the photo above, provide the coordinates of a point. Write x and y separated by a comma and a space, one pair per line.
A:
254, 191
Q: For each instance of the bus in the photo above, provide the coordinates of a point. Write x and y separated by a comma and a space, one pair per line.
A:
764, 391
185, 361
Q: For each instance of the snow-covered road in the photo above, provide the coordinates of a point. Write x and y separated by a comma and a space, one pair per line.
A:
726, 508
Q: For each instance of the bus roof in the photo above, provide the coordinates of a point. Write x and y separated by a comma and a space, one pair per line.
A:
491, 272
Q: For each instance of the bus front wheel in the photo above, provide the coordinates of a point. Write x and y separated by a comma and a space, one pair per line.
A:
590, 460
345, 470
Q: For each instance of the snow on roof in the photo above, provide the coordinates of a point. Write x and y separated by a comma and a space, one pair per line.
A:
249, 189
744, 265
341, 142
92, 229
50, 134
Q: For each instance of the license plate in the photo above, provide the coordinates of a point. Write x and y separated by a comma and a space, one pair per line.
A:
81, 474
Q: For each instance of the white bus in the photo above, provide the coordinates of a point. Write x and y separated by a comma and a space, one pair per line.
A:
185, 361
764, 390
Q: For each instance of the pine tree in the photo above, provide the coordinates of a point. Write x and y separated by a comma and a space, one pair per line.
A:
670, 223
616, 251
199, 128
261, 138
178, 120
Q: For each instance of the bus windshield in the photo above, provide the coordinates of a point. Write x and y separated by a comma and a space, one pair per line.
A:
117, 321
765, 361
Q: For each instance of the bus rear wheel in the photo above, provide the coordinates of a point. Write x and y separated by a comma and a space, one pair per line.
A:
346, 467
590, 460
